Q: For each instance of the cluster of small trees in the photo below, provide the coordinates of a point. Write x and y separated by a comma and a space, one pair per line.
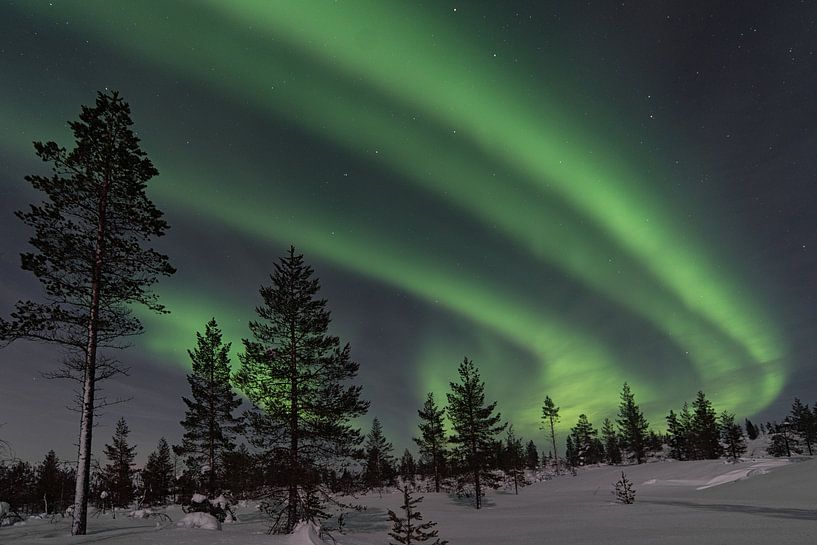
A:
47, 487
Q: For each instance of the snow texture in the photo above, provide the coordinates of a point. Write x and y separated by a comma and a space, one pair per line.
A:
204, 521
752, 502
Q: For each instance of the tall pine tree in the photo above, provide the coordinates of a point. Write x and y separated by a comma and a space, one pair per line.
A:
705, 430
90, 256
379, 459
732, 436
157, 475
475, 427
550, 417
118, 473
209, 424
297, 376
632, 426
804, 424
610, 440
432, 443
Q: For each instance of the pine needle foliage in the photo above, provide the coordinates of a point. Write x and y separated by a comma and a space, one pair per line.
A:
298, 377
410, 528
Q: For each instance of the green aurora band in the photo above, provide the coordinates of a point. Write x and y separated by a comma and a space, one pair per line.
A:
381, 90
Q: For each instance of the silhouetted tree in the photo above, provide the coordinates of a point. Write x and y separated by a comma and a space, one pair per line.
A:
157, 475
751, 430
118, 473
586, 443
610, 440
209, 425
411, 529
632, 425
297, 376
89, 238
732, 436
408, 467
514, 459
803, 424
550, 417
475, 425
705, 430
379, 460
531, 456
432, 443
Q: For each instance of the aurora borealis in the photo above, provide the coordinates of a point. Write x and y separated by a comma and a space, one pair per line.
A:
573, 196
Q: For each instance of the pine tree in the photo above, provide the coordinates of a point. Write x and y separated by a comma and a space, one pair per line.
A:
411, 529
514, 459
432, 442
732, 436
610, 440
531, 456
623, 490
475, 426
571, 454
550, 417
585, 441
209, 424
783, 441
89, 238
50, 483
751, 430
632, 425
379, 460
157, 476
118, 474
408, 467
677, 437
297, 376
803, 424
705, 431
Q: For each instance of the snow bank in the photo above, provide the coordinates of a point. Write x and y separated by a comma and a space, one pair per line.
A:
198, 498
305, 533
199, 520
758, 468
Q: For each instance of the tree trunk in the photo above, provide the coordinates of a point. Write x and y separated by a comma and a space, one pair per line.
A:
553, 440
79, 525
295, 476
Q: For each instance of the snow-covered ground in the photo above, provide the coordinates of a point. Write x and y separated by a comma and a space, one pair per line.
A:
710, 502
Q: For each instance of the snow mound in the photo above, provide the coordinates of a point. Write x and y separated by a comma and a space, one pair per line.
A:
305, 533
140, 514
199, 520
758, 468
198, 498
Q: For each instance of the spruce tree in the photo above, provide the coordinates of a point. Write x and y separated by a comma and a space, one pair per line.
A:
732, 436
783, 440
411, 529
632, 425
209, 424
677, 438
474, 425
118, 473
803, 424
585, 441
751, 430
90, 256
550, 417
297, 376
531, 456
514, 459
610, 440
432, 443
408, 467
379, 460
571, 454
50, 483
705, 431
157, 476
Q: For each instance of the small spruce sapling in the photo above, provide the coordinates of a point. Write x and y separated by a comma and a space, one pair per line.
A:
411, 529
624, 491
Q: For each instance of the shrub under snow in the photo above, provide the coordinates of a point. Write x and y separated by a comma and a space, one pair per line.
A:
204, 521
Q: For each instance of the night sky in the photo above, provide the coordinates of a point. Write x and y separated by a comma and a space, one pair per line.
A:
573, 194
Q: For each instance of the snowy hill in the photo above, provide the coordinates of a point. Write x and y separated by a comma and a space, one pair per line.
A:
757, 501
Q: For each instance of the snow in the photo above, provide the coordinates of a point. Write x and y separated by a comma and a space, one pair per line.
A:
198, 498
756, 501
204, 521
